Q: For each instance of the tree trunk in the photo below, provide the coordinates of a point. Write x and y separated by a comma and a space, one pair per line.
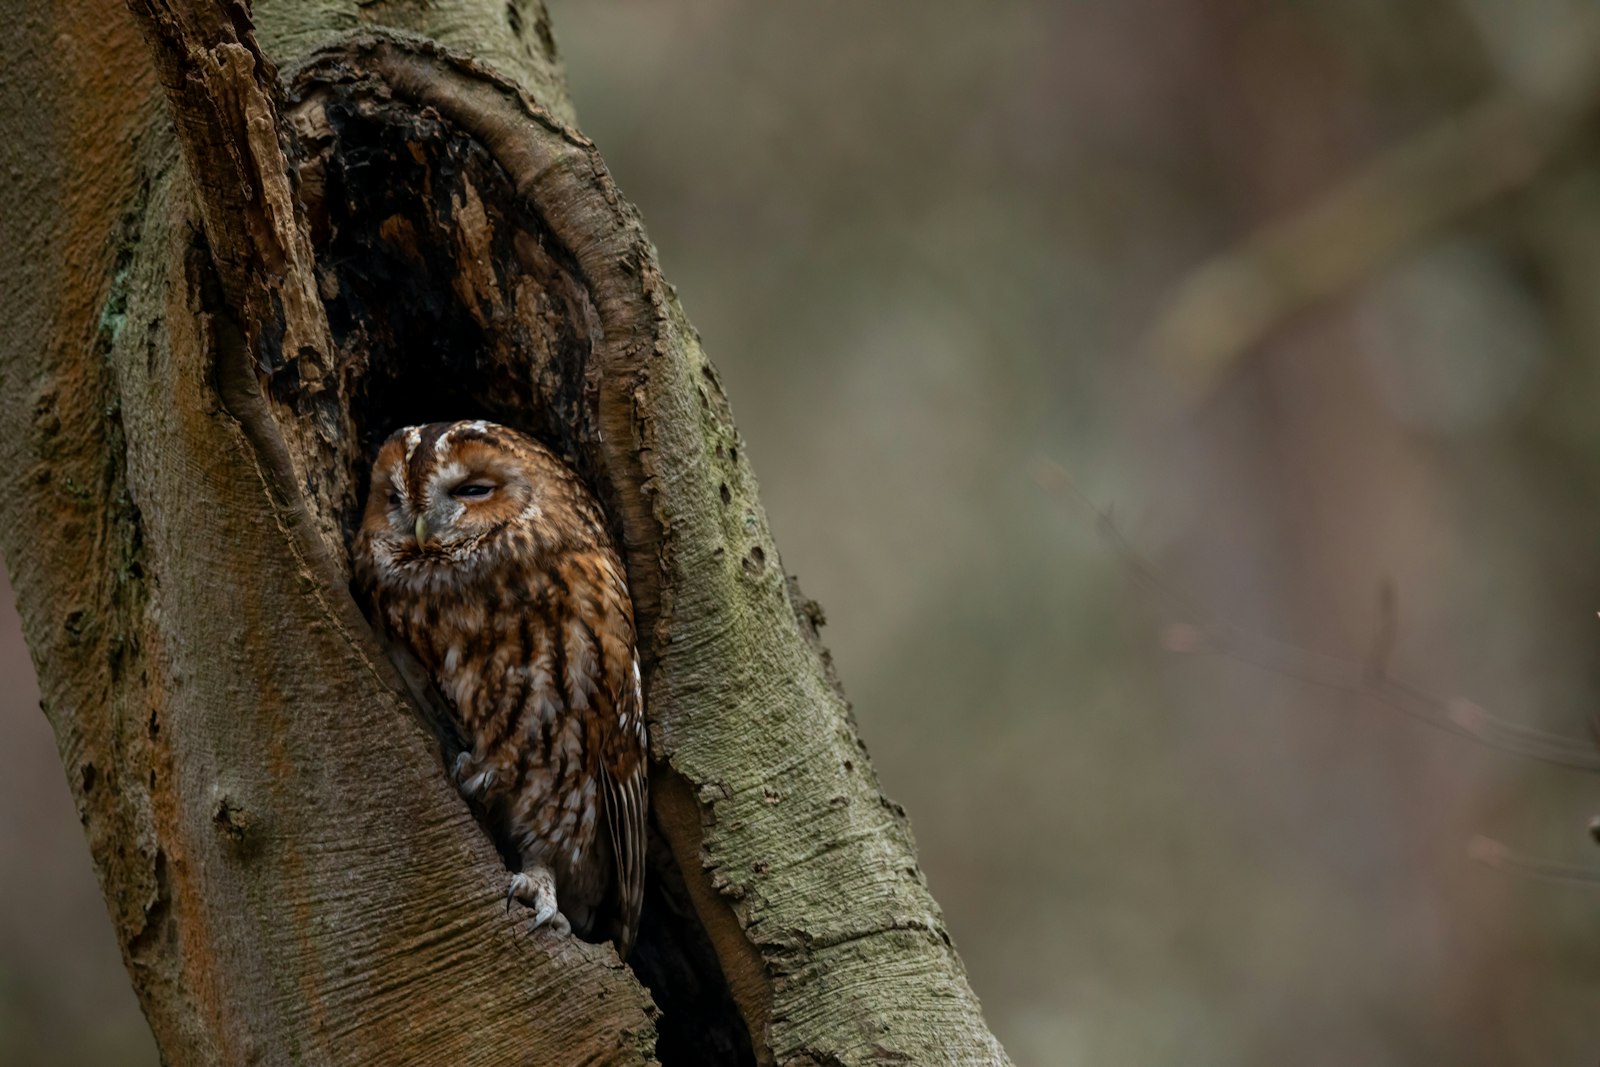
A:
225, 286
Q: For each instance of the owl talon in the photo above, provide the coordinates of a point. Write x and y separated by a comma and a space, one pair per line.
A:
537, 889
471, 782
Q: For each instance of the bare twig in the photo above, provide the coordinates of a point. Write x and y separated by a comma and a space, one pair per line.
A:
1370, 680
1228, 305
1502, 858
1204, 632
1388, 628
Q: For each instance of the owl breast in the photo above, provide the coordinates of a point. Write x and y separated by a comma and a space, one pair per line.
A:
523, 677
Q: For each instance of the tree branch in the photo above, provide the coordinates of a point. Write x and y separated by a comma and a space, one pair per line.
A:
1228, 305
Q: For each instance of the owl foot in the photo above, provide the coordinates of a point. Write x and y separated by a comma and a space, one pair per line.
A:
471, 782
536, 887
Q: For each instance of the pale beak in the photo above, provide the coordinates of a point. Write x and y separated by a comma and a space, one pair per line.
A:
422, 531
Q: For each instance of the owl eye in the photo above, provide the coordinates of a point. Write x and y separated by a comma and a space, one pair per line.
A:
394, 498
472, 490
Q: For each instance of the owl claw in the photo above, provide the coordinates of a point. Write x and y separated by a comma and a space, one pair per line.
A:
471, 782
537, 889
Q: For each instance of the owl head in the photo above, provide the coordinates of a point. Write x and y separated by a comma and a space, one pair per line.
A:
450, 498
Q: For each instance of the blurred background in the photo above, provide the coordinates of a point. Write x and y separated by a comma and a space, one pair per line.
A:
1047, 461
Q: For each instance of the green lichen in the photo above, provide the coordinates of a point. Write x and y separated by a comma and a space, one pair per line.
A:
114, 312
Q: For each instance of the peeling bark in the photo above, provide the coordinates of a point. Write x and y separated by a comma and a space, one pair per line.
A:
398, 231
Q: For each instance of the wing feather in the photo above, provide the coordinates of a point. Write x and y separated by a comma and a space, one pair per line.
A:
618, 733
626, 788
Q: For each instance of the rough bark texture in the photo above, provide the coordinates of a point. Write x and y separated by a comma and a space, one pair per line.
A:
200, 357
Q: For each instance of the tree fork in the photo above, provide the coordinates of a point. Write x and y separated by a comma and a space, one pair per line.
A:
403, 232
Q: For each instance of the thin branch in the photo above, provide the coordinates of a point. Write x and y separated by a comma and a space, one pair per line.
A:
1225, 308
1369, 680
1501, 857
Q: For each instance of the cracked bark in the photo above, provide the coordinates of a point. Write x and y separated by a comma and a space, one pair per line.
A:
231, 282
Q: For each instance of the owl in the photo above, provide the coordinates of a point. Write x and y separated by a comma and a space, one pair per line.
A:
487, 559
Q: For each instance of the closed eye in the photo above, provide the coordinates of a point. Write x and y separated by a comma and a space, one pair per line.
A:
472, 490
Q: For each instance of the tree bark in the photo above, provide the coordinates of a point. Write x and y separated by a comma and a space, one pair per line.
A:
226, 286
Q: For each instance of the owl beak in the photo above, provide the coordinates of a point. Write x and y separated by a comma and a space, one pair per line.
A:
422, 531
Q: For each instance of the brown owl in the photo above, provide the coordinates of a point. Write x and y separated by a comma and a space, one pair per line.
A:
487, 558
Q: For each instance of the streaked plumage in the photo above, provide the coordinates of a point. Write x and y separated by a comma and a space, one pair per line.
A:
483, 555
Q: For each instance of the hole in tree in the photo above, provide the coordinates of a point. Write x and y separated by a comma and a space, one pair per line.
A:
448, 297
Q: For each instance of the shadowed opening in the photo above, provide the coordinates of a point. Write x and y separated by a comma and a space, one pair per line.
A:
446, 294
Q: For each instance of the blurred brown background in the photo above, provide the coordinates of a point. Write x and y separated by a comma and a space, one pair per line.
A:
925, 243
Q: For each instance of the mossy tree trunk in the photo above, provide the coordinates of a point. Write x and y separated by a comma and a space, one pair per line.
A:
240, 248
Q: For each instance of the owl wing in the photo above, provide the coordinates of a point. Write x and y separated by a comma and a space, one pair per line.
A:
626, 796
617, 732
